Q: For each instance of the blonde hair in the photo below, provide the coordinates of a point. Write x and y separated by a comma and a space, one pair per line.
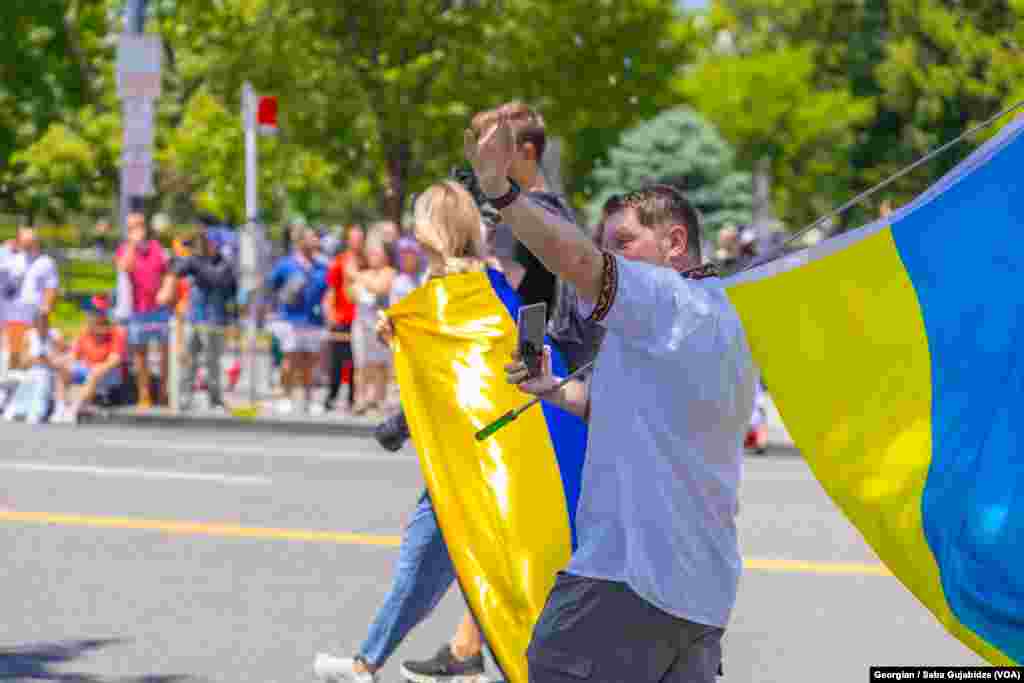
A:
448, 226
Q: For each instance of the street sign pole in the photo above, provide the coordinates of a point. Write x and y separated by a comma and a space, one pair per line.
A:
134, 24
250, 260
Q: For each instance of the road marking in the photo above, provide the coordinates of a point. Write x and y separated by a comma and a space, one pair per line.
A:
803, 567
135, 472
261, 451
186, 528
198, 528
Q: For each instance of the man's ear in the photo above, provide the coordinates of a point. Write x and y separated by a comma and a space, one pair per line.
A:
678, 247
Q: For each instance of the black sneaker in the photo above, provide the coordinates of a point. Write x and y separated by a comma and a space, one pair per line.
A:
445, 668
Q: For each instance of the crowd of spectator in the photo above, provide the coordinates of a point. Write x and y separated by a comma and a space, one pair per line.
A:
322, 299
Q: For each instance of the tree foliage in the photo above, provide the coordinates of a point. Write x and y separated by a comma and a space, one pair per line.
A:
374, 96
847, 93
680, 148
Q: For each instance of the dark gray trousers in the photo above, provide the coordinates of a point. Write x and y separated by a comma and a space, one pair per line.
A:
603, 632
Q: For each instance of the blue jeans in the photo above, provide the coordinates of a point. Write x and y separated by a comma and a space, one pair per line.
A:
423, 574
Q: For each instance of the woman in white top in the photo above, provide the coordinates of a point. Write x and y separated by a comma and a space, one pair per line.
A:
370, 289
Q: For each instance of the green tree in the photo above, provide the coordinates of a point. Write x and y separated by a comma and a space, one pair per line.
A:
374, 95
47, 64
201, 158
770, 106
680, 148
72, 168
929, 68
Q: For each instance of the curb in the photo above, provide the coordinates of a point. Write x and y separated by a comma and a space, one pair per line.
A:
260, 425
777, 443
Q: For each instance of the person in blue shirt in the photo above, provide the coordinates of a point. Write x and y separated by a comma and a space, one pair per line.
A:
299, 282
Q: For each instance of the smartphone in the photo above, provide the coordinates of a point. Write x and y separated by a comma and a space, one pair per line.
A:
532, 321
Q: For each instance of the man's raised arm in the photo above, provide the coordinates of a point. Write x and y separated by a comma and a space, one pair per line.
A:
560, 245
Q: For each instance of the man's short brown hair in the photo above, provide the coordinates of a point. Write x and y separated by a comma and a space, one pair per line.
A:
526, 124
660, 205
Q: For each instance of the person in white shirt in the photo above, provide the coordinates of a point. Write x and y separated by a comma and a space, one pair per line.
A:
657, 565
35, 293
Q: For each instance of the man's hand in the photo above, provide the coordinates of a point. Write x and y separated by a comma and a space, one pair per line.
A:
517, 373
491, 157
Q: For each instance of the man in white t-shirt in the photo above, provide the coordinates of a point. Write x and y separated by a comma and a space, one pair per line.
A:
650, 587
35, 293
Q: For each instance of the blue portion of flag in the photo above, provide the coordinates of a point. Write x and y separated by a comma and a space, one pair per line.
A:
962, 253
568, 433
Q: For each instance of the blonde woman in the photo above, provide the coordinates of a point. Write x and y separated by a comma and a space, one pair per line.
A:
370, 289
448, 228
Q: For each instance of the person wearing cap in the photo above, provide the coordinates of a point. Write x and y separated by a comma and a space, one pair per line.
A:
212, 283
94, 363
410, 269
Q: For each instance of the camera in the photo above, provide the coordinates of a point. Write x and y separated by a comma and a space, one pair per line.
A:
467, 178
392, 433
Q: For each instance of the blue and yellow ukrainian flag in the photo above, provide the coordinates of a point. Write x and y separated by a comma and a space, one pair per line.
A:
894, 354
506, 506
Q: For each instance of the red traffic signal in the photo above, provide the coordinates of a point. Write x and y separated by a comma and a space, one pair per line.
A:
266, 112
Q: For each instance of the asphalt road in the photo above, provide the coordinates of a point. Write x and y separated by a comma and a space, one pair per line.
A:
171, 555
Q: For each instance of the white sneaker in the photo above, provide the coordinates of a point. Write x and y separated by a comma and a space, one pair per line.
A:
284, 406
9, 414
339, 670
317, 410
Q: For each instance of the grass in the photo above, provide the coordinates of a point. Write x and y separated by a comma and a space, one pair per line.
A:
80, 279
88, 276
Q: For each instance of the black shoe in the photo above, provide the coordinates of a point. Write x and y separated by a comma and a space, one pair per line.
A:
444, 667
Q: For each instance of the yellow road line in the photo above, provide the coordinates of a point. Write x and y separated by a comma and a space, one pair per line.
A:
801, 566
198, 528
182, 528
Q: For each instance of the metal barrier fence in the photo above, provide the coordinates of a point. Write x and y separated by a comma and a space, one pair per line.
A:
203, 356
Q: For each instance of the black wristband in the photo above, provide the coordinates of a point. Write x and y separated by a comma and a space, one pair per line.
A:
504, 200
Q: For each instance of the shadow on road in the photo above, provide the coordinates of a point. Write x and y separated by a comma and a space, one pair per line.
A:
36, 663
774, 452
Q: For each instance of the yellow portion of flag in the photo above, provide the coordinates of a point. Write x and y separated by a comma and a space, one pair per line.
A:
500, 502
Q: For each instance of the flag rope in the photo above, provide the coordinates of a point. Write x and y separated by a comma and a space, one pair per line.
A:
781, 249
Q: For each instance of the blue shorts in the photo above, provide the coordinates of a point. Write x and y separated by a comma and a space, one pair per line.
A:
144, 328
109, 381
